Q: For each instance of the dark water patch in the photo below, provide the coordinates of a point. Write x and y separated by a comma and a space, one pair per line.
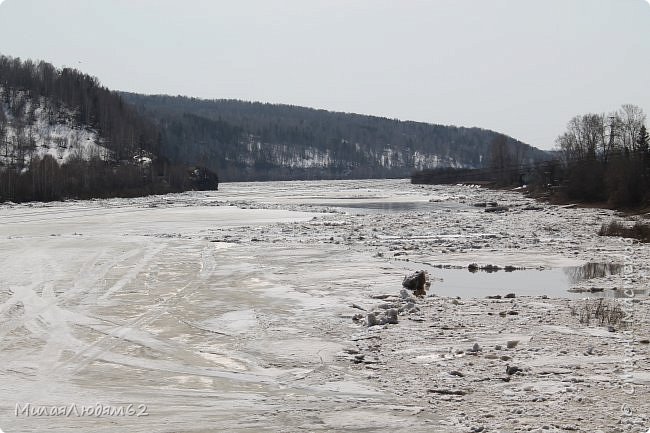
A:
396, 207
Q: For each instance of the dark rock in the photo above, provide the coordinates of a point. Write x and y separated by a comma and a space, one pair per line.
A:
445, 391
418, 282
497, 209
510, 296
512, 369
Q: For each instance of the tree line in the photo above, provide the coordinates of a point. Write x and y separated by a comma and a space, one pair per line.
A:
606, 158
130, 164
258, 141
600, 158
124, 132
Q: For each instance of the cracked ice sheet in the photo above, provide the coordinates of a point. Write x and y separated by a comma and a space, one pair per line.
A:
119, 303
231, 317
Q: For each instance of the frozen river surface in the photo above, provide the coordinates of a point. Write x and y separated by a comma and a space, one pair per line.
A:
225, 311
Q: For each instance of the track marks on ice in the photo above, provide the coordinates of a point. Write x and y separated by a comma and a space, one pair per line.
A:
173, 273
135, 270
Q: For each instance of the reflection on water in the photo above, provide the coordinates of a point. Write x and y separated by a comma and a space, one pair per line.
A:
591, 270
529, 282
392, 206
554, 282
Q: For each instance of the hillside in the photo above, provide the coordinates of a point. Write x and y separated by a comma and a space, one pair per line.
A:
63, 135
256, 141
35, 127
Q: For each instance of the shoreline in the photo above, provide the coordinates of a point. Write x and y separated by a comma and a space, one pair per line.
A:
451, 358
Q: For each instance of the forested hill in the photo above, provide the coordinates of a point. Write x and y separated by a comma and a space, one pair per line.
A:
63, 135
256, 141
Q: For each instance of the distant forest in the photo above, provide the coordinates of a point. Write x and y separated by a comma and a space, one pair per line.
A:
256, 141
600, 158
38, 95
63, 135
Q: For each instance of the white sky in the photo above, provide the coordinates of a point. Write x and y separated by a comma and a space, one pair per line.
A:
522, 67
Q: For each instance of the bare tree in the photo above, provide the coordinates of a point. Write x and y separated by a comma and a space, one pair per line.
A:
3, 130
31, 142
593, 131
592, 136
632, 118
572, 142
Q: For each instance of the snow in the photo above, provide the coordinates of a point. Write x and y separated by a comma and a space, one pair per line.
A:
52, 133
231, 310
311, 157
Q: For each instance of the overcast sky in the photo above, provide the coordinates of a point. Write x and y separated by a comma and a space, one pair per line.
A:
521, 67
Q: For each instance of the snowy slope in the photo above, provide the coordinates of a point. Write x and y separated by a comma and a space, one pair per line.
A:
253, 150
39, 128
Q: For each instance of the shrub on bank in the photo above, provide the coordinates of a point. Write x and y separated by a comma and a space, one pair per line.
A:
639, 231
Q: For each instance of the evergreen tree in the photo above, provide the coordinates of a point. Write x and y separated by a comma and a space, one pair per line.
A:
643, 141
